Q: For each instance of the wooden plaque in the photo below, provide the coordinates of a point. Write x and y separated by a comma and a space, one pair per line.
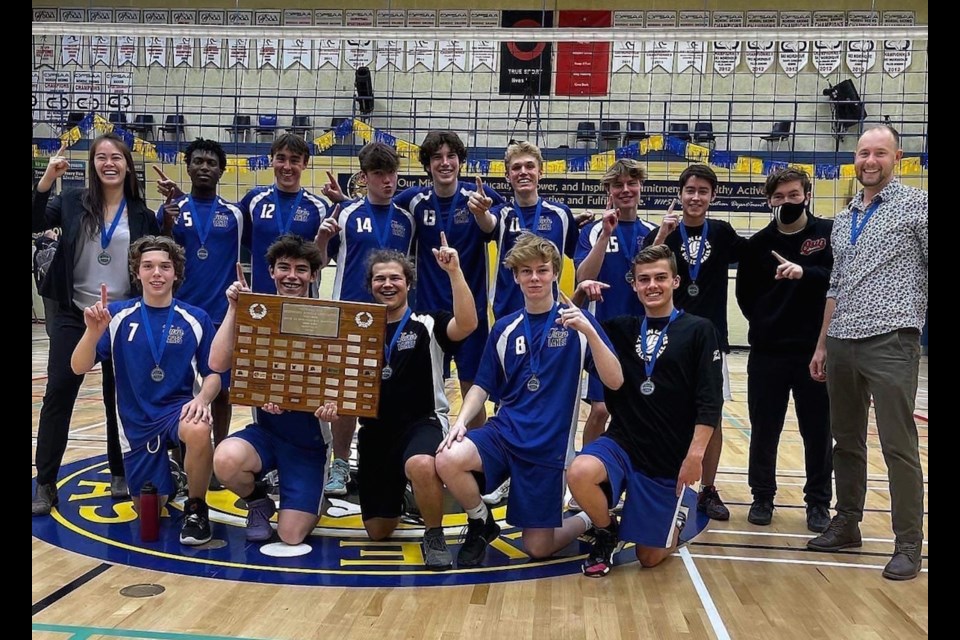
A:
301, 352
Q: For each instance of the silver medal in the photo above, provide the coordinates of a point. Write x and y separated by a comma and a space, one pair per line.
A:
104, 258
202, 253
156, 374
647, 387
533, 383
386, 373
693, 289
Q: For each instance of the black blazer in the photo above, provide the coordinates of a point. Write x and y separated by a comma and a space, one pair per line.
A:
65, 211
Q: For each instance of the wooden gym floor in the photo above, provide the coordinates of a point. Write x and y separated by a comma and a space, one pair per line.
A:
738, 580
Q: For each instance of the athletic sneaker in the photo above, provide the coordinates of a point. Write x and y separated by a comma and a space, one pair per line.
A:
259, 513
339, 477
436, 556
196, 523
600, 559
480, 533
709, 502
499, 494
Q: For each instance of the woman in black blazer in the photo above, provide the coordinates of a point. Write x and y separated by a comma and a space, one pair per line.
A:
97, 224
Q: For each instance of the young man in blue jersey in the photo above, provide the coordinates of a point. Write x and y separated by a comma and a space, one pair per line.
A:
605, 253
400, 444
662, 419
456, 208
705, 249
294, 443
528, 212
210, 230
532, 363
283, 207
158, 344
361, 227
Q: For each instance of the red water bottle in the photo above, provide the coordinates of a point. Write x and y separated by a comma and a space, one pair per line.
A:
149, 513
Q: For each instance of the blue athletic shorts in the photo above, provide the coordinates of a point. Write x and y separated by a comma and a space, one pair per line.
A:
651, 504
302, 471
536, 491
149, 462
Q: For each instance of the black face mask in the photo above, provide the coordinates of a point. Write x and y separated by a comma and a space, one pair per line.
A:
789, 212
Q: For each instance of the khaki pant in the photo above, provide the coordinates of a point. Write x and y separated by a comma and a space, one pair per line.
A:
886, 367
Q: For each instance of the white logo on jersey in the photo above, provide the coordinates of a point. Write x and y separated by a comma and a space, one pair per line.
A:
716, 355
175, 336
302, 215
692, 247
652, 336
558, 337
408, 340
221, 221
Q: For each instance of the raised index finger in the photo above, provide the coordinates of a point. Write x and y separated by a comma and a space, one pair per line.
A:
565, 299
159, 172
779, 257
443, 239
331, 178
63, 148
480, 184
242, 280
103, 294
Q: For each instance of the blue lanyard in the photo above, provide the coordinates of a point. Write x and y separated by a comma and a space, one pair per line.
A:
107, 236
536, 217
381, 236
203, 224
627, 251
534, 350
650, 362
857, 229
284, 227
446, 222
388, 349
698, 261
164, 332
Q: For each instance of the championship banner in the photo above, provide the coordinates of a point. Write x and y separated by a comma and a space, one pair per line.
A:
452, 52
760, 52
267, 53
726, 53
327, 50
390, 52
36, 95
421, 52
583, 67
155, 48
99, 48
87, 91
483, 53
659, 53
127, 46
55, 86
296, 51
238, 49
525, 66
211, 52
44, 54
794, 54
862, 54
183, 48
627, 53
827, 53
897, 54
359, 53
71, 46
692, 53
119, 91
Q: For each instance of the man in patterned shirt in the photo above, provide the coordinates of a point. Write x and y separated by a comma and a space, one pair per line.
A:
870, 336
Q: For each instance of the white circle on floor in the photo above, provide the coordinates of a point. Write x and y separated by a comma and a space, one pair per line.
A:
284, 550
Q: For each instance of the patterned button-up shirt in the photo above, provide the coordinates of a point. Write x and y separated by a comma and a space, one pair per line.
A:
880, 283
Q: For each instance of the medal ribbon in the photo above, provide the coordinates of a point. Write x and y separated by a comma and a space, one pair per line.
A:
652, 361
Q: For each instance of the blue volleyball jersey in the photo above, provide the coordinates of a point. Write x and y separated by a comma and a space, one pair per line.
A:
463, 234
206, 280
143, 405
556, 224
361, 233
537, 425
620, 299
263, 224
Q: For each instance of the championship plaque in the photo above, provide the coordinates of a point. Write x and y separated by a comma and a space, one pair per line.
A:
301, 352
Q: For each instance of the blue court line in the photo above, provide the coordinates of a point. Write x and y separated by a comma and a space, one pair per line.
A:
82, 633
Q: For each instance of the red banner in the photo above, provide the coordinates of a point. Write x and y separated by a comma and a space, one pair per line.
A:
583, 68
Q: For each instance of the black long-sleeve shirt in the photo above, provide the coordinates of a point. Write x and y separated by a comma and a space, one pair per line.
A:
785, 315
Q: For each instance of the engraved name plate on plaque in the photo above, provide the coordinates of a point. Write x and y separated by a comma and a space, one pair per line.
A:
293, 352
